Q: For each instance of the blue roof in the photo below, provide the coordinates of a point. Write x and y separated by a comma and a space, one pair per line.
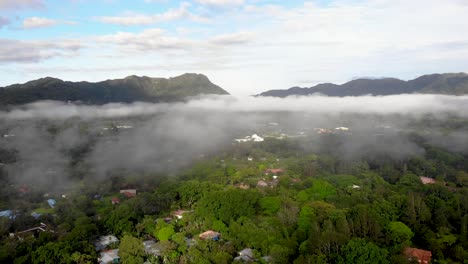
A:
36, 215
6, 213
51, 202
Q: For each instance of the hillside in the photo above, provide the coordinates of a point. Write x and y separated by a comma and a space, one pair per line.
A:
129, 89
449, 83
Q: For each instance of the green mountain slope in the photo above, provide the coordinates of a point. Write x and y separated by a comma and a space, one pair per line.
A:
129, 89
449, 83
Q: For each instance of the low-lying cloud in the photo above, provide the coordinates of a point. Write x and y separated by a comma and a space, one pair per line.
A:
409, 104
165, 137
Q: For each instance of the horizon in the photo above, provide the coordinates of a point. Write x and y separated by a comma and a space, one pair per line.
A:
286, 88
244, 46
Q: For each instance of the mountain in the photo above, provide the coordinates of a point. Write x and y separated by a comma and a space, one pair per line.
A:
129, 89
448, 83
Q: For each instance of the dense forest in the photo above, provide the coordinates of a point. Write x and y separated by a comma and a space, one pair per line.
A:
256, 202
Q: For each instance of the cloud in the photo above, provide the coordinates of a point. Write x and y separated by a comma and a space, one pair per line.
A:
408, 104
35, 51
156, 40
168, 136
220, 2
147, 41
38, 22
132, 19
4, 21
21, 4
235, 38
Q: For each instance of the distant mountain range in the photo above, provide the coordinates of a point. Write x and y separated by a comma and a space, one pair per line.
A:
448, 83
129, 89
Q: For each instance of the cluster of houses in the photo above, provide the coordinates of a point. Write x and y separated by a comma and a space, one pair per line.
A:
253, 138
331, 131
274, 173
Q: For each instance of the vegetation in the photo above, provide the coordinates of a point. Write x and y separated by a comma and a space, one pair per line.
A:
130, 89
321, 209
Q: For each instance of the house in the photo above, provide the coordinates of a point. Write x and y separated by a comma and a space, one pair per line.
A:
274, 171
7, 213
245, 255
152, 248
342, 128
28, 232
427, 180
115, 200
354, 186
242, 186
210, 234
179, 214
129, 192
422, 256
51, 203
36, 215
249, 158
109, 256
23, 190
104, 241
262, 184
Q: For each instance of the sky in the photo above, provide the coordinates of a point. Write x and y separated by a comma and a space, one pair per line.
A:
244, 46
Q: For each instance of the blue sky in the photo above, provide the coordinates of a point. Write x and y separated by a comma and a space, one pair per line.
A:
245, 46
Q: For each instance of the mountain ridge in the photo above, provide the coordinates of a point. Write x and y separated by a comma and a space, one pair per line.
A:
129, 89
445, 83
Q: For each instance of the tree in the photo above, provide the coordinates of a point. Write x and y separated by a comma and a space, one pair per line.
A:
165, 233
359, 251
270, 204
227, 205
399, 233
131, 250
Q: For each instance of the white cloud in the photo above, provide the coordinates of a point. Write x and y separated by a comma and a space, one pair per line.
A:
35, 51
38, 22
220, 2
132, 19
156, 40
21, 4
236, 38
4, 21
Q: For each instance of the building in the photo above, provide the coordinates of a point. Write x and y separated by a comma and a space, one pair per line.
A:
152, 248
210, 234
245, 255
104, 242
32, 231
179, 214
109, 256
129, 192
274, 171
420, 255
115, 200
262, 184
51, 203
427, 180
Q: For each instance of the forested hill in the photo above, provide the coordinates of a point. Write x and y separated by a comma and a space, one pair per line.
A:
448, 83
130, 89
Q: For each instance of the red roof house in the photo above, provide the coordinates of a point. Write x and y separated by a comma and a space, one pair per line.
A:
427, 180
274, 171
422, 256
115, 200
129, 192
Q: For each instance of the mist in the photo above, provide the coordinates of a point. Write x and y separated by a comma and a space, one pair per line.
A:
164, 138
